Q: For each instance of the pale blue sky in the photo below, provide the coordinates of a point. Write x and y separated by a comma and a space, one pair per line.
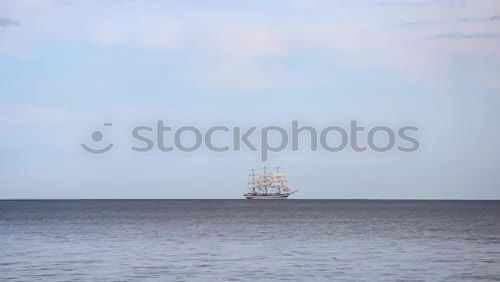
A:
66, 67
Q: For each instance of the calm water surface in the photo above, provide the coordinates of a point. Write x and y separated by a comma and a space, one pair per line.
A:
204, 240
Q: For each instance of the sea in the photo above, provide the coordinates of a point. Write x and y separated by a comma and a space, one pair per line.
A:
245, 240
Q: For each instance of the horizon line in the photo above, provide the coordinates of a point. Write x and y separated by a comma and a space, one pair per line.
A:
232, 199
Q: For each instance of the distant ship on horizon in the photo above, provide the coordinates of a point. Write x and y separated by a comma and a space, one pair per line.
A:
268, 185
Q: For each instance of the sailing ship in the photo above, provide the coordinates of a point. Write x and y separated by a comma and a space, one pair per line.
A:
268, 185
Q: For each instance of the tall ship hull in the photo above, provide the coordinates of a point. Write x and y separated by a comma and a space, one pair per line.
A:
282, 196
268, 185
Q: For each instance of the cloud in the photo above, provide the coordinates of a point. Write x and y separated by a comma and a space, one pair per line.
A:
417, 23
260, 46
459, 35
408, 3
448, 22
6, 22
27, 115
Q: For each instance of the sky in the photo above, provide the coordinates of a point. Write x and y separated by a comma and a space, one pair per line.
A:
68, 67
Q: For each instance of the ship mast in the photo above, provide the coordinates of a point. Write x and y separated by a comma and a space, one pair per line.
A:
265, 182
253, 179
278, 171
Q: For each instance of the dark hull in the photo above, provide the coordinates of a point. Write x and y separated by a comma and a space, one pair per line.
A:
281, 196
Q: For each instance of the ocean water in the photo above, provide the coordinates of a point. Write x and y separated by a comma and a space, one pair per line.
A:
233, 240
